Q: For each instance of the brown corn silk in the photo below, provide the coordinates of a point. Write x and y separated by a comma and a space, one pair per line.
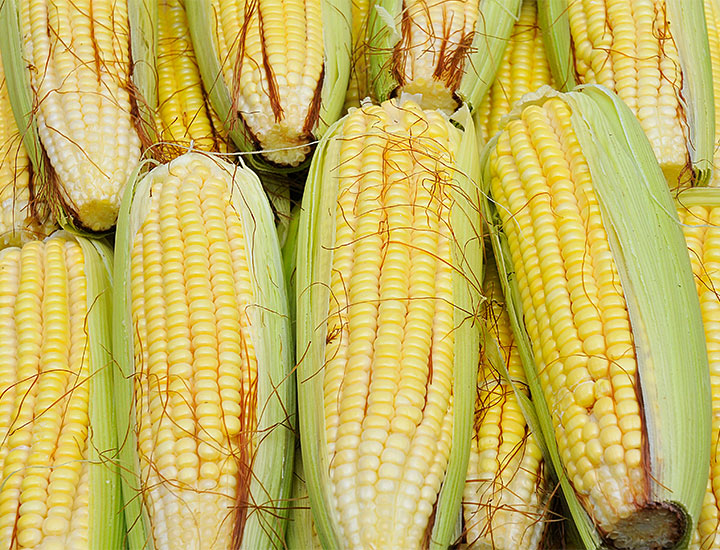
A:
504, 501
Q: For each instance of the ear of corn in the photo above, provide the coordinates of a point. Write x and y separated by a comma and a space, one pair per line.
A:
447, 51
616, 374
505, 497
388, 233
59, 484
207, 396
655, 56
524, 69
78, 95
276, 72
22, 216
184, 115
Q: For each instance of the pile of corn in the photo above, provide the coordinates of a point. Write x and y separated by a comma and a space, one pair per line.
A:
356, 274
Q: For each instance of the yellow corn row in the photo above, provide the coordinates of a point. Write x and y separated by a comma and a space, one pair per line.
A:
562, 171
654, 55
379, 308
58, 484
524, 68
205, 346
184, 116
504, 500
21, 217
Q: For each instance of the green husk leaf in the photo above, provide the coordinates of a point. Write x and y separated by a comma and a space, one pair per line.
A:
555, 27
273, 459
143, 21
316, 242
652, 261
300, 535
106, 522
687, 24
338, 46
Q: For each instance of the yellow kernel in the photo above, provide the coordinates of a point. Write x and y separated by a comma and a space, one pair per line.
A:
594, 451
615, 454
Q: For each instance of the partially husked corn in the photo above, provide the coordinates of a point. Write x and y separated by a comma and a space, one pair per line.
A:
505, 497
59, 486
276, 71
78, 56
204, 297
587, 311
654, 55
185, 116
379, 336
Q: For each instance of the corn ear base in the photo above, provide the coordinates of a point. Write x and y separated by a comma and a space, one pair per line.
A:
338, 47
273, 459
672, 363
316, 242
480, 64
686, 18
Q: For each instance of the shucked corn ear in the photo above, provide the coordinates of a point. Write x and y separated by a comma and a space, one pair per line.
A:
654, 55
76, 92
699, 212
206, 404
59, 484
505, 497
524, 69
22, 217
387, 285
276, 71
448, 51
184, 115
589, 242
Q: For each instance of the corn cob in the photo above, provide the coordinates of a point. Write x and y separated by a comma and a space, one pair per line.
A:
504, 503
59, 486
524, 69
276, 72
399, 243
78, 58
446, 51
21, 216
205, 347
184, 116
585, 213
654, 55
